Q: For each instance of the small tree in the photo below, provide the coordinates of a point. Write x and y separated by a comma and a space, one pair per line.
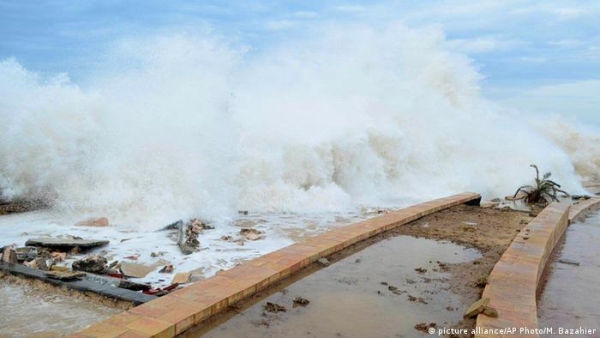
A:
544, 191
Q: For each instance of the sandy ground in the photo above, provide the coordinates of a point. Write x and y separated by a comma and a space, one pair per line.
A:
489, 230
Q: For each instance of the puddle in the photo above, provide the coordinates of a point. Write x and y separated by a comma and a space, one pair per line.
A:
375, 292
570, 296
27, 312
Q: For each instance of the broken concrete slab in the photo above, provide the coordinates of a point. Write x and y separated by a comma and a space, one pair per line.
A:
65, 275
65, 243
9, 255
93, 264
252, 234
568, 261
477, 307
182, 277
26, 253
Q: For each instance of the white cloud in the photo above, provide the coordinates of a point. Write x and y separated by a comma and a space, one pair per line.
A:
484, 44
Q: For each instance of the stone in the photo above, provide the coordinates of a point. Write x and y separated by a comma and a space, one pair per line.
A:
299, 301
166, 269
136, 270
490, 312
65, 243
181, 278
251, 234
65, 275
94, 222
26, 253
489, 204
93, 264
323, 261
9, 255
273, 307
477, 307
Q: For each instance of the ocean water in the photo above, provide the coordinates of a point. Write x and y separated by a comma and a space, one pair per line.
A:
192, 124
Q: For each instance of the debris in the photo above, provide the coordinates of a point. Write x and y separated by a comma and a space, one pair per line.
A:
416, 299
26, 253
477, 308
424, 327
568, 261
136, 270
323, 261
75, 251
226, 238
166, 269
132, 257
65, 275
421, 270
182, 277
59, 268
93, 264
299, 301
157, 254
9, 255
188, 239
94, 222
490, 312
243, 212
273, 307
581, 197
58, 256
133, 286
65, 243
251, 234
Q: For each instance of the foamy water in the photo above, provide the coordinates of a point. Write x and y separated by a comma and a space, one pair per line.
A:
192, 125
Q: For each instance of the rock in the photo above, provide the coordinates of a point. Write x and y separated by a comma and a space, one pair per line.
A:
568, 261
59, 268
226, 238
9, 255
490, 312
26, 253
65, 243
166, 269
424, 327
65, 275
477, 307
273, 307
251, 234
182, 277
94, 222
323, 261
58, 256
93, 264
136, 270
43, 264
243, 212
489, 204
299, 301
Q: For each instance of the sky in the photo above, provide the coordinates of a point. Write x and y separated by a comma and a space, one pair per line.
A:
541, 56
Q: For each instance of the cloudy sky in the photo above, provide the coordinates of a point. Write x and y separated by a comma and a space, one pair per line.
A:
534, 55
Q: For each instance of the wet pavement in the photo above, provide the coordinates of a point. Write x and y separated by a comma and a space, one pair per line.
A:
27, 312
569, 298
383, 291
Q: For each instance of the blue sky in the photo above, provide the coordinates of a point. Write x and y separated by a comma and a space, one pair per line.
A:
539, 56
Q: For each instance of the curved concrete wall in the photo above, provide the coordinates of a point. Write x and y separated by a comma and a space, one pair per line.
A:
513, 283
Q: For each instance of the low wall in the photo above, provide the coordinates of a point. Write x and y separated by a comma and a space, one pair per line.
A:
513, 283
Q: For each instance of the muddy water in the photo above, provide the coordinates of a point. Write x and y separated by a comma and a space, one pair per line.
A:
570, 296
27, 312
354, 297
